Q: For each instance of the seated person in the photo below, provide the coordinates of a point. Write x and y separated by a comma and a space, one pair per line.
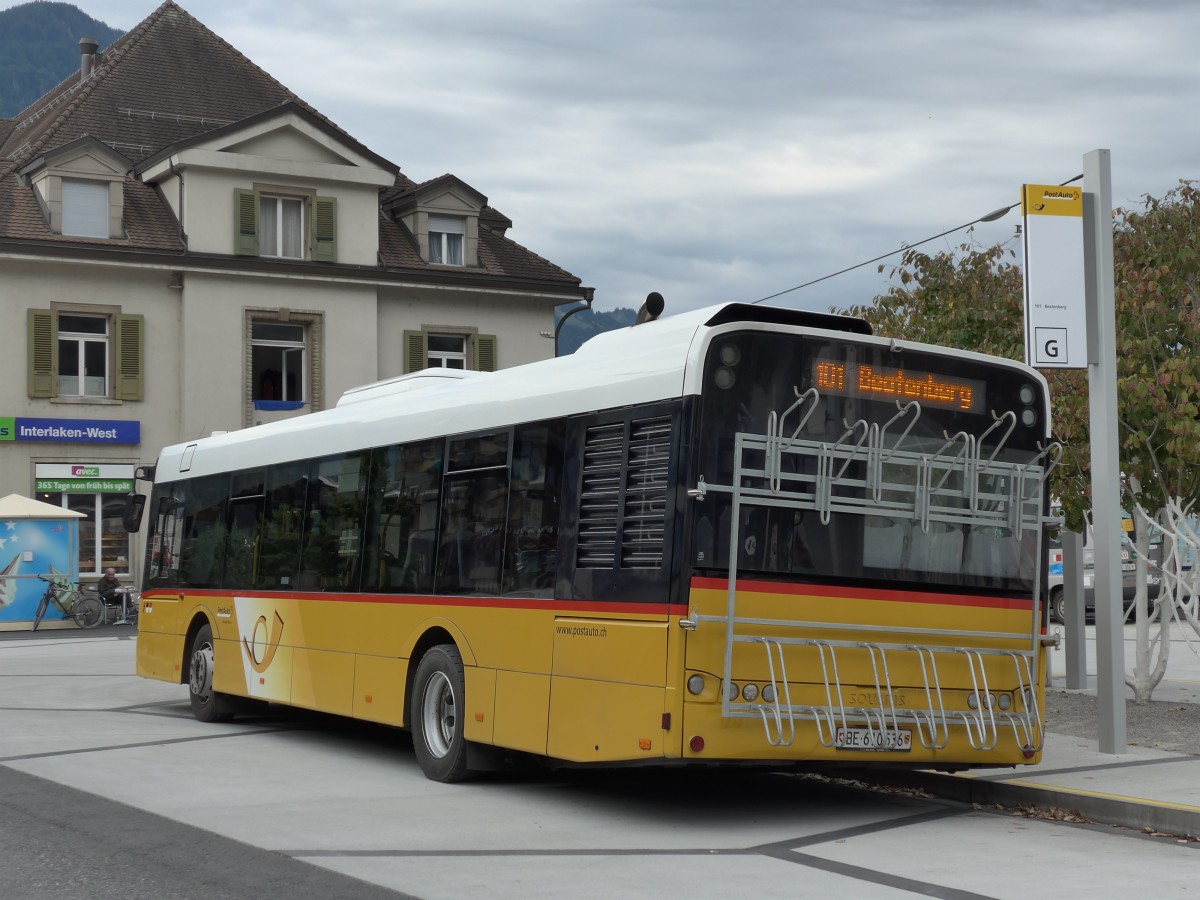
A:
108, 585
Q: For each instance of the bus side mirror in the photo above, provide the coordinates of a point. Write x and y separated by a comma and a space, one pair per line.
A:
135, 505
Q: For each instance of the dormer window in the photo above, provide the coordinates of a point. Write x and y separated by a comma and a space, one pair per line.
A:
85, 208
282, 223
446, 235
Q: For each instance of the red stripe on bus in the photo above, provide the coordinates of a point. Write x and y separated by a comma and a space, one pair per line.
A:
527, 603
849, 593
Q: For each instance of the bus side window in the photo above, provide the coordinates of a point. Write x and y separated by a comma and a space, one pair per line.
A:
474, 495
245, 525
202, 556
166, 533
331, 549
531, 542
283, 513
401, 529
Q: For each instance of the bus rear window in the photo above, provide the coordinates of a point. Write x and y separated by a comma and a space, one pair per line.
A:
827, 506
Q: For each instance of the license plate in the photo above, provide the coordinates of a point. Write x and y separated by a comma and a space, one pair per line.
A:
1128, 567
873, 739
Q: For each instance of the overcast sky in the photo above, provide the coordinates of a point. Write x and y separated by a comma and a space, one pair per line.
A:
719, 150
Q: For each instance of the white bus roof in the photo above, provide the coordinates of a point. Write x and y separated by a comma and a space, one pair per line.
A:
654, 361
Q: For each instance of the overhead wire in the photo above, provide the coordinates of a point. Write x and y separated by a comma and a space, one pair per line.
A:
995, 214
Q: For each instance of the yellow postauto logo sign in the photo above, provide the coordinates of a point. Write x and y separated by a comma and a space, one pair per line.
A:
1052, 200
260, 647
267, 671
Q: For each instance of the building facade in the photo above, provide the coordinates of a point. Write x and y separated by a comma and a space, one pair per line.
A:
187, 247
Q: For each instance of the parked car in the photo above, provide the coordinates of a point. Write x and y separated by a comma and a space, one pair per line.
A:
1054, 578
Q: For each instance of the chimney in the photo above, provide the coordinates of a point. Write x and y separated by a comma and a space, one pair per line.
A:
87, 57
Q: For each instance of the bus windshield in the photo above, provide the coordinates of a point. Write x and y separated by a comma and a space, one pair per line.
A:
909, 467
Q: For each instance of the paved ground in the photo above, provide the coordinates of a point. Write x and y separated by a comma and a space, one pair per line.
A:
1160, 724
111, 774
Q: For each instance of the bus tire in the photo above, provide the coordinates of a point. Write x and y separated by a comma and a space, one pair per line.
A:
436, 715
207, 705
1058, 605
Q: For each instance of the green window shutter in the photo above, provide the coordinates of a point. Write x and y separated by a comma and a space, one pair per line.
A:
416, 351
43, 353
485, 353
129, 354
324, 229
245, 222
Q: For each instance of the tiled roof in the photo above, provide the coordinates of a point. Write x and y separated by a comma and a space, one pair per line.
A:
164, 82
167, 79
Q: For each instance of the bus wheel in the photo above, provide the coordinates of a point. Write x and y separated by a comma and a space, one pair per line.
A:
207, 704
1058, 605
437, 715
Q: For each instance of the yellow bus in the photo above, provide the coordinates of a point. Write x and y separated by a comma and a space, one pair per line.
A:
736, 535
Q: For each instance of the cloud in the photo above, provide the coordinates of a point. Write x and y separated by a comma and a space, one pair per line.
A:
717, 151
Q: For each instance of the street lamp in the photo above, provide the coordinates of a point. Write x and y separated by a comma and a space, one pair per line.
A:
588, 294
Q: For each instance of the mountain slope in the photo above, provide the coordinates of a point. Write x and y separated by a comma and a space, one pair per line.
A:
39, 47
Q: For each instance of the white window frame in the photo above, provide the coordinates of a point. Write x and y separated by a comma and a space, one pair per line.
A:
447, 240
272, 244
82, 340
85, 210
294, 356
446, 358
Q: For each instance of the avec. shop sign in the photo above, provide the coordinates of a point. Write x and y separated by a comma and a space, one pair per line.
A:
73, 431
83, 478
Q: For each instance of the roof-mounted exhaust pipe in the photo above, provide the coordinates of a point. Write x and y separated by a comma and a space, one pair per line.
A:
651, 309
87, 57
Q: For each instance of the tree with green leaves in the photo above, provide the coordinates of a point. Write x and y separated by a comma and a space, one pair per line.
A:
973, 299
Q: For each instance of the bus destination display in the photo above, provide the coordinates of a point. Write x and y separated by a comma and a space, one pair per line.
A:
880, 383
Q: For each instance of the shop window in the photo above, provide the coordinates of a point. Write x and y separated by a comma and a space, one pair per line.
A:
103, 541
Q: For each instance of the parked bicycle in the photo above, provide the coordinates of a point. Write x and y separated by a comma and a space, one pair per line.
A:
64, 595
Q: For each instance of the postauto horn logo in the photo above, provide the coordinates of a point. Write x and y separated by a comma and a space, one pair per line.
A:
260, 647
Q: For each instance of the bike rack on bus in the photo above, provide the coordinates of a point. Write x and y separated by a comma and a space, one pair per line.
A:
849, 477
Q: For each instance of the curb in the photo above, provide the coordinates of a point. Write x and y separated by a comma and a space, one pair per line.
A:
1108, 809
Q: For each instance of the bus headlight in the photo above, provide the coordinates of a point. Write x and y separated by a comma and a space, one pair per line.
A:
695, 684
1004, 701
750, 693
768, 694
731, 691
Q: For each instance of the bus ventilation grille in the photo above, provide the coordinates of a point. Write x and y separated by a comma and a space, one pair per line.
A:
624, 497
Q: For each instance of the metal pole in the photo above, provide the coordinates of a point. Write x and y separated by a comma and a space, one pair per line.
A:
1106, 466
1072, 586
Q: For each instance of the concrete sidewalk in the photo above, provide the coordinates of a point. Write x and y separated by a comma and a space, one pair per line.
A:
1144, 787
